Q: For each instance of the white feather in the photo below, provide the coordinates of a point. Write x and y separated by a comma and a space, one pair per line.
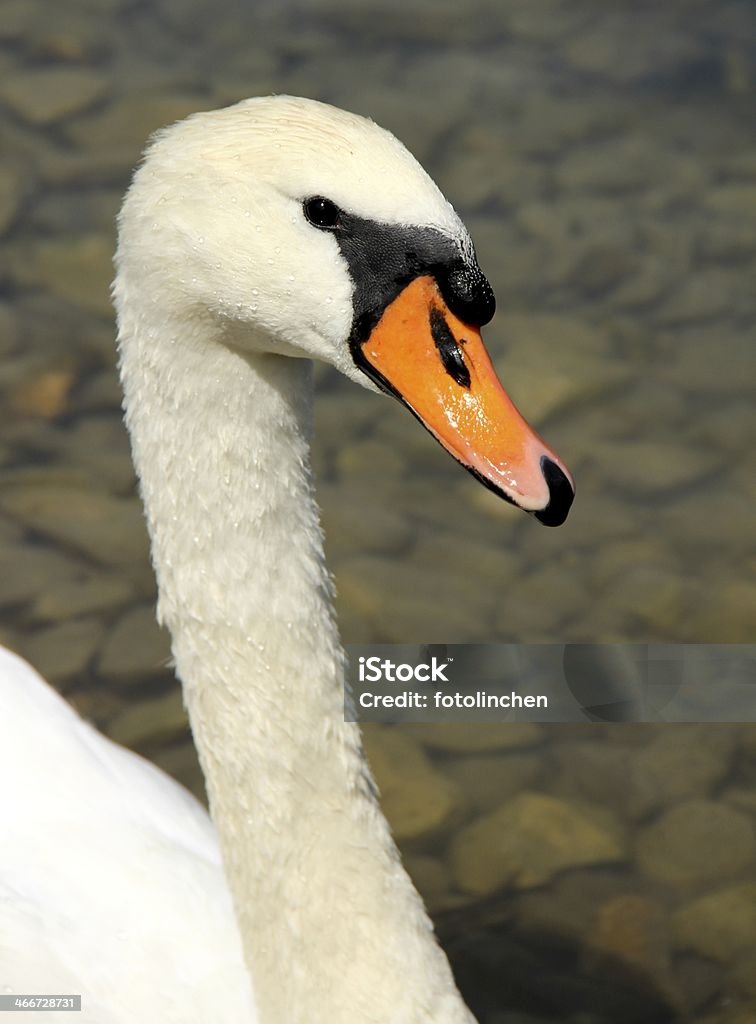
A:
110, 875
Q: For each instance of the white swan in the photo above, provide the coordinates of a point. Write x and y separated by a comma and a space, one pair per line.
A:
278, 227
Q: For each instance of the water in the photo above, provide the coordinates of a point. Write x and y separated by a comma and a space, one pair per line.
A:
604, 160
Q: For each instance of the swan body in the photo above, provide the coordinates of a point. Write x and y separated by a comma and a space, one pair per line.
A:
88, 826
274, 229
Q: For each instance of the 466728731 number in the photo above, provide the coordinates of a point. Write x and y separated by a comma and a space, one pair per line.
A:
18, 1001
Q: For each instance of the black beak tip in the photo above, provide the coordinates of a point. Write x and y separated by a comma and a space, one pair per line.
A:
561, 494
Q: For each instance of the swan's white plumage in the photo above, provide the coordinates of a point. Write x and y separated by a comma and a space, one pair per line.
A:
89, 828
219, 278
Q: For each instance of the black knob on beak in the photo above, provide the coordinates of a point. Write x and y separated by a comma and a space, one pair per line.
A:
467, 292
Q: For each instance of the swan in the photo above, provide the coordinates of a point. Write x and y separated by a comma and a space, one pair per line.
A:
253, 240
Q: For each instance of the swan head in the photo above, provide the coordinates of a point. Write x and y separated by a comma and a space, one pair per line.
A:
306, 231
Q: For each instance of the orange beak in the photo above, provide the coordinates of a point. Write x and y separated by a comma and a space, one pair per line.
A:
440, 369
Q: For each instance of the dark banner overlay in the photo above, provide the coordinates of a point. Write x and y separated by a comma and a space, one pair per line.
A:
551, 683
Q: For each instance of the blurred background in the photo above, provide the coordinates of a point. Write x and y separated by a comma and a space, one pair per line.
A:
603, 156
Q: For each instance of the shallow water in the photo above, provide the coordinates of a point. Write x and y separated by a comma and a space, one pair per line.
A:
605, 162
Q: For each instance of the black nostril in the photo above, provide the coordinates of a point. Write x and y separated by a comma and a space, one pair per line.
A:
561, 494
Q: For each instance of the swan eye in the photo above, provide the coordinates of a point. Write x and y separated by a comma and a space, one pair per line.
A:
321, 212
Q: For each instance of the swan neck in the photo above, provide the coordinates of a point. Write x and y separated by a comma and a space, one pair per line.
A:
332, 928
